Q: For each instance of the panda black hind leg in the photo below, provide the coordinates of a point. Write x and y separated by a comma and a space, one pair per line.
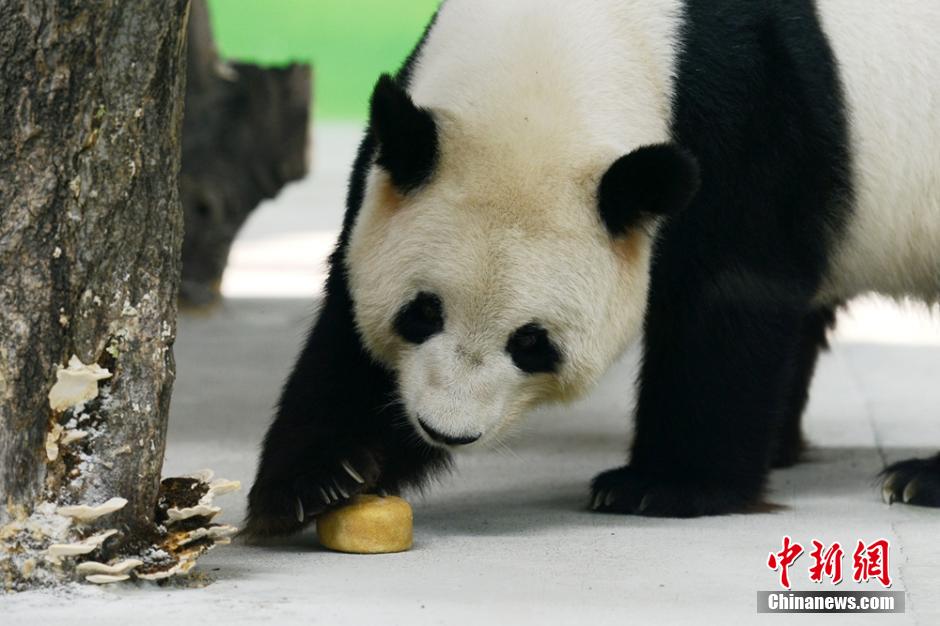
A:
790, 444
728, 347
338, 430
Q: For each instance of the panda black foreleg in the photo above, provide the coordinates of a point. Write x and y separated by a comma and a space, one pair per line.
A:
714, 386
338, 431
789, 443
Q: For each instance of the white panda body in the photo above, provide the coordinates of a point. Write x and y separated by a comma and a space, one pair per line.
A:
888, 57
552, 80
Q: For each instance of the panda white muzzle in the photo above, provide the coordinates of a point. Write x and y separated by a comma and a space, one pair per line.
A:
445, 439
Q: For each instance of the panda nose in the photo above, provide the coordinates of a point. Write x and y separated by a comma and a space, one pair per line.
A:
449, 440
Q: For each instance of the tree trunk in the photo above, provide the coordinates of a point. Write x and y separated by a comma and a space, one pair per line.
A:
244, 138
91, 103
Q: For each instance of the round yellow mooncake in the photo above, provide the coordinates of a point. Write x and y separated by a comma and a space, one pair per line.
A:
367, 525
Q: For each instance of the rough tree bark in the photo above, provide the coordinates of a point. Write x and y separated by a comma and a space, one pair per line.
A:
91, 103
244, 138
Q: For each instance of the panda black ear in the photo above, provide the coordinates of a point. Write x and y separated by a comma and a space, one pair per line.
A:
406, 135
652, 181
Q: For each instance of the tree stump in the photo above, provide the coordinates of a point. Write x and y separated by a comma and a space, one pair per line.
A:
91, 227
244, 138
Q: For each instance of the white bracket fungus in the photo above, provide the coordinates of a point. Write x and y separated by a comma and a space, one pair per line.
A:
59, 436
84, 513
218, 534
105, 579
204, 508
186, 562
177, 544
81, 547
183, 543
76, 384
52, 442
200, 510
117, 569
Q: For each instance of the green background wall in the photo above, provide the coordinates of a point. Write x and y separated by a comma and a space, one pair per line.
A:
349, 42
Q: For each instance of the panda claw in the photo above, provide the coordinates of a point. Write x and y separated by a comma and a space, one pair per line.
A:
890, 491
326, 496
300, 511
611, 497
598, 500
356, 476
915, 482
341, 491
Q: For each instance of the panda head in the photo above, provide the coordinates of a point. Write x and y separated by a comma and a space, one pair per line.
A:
491, 276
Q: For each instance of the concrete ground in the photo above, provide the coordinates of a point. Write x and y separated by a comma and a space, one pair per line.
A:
506, 539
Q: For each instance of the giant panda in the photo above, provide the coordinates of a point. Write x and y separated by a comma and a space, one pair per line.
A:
544, 181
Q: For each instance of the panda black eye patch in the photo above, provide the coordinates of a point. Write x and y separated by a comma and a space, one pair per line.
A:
532, 351
420, 319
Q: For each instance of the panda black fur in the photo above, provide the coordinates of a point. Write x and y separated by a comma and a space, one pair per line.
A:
746, 182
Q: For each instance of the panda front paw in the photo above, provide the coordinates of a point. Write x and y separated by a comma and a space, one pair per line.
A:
915, 482
317, 491
626, 490
284, 505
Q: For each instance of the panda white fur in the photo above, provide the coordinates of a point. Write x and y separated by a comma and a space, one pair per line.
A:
544, 179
